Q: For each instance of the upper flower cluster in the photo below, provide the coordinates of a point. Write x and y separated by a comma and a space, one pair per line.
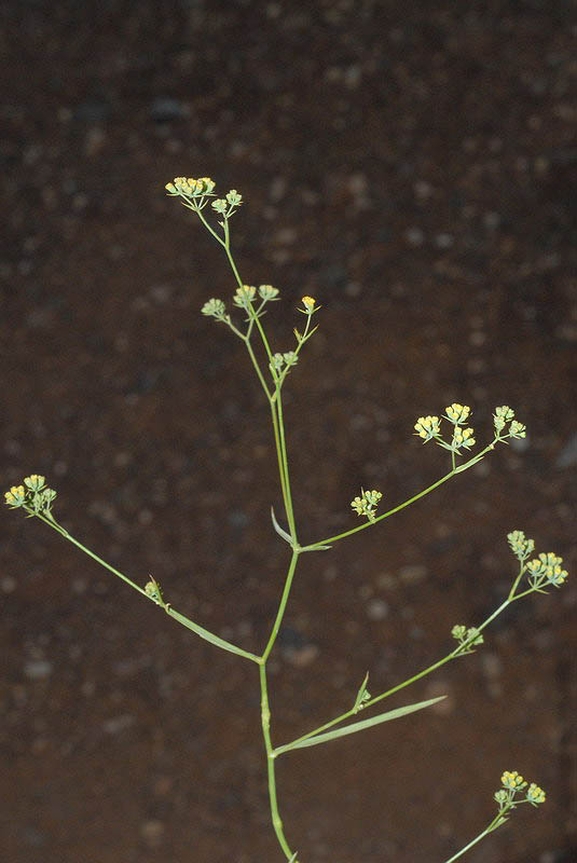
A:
545, 570
514, 785
196, 192
33, 495
191, 188
462, 437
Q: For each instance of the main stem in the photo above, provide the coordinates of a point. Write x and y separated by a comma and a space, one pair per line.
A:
270, 764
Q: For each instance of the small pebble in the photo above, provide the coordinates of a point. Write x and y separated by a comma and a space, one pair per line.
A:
38, 669
152, 832
377, 609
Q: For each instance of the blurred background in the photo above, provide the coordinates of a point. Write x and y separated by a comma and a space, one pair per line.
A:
413, 167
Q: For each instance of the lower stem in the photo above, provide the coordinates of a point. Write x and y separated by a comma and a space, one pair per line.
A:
271, 767
496, 822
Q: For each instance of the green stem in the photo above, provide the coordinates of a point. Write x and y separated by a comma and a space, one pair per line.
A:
332, 539
282, 606
51, 522
262, 334
271, 767
275, 400
207, 225
228, 251
282, 458
497, 821
256, 366
189, 624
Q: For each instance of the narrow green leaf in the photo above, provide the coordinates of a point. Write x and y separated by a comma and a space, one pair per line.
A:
362, 695
286, 536
210, 636
360, 726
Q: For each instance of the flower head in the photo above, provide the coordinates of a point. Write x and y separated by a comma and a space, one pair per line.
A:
16, 497
504, 416
244, 296
520, 545
310, 305
462, 438
214, 309
366, 503
428, 427
535, 795
33, 495
188, 187
268, 293
546, 569
457, 413
512, 780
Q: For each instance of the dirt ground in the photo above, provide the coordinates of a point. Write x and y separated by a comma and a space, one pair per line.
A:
413, 166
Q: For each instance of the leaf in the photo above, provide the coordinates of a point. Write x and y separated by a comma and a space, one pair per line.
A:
286, 536
210, 636
362, 695
360, 726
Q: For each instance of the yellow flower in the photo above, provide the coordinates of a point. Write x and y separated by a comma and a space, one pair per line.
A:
535, 795
513, 780
16, 496
309, 304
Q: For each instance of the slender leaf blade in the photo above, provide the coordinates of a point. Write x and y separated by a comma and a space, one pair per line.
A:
362, 695
282, 533
365, 723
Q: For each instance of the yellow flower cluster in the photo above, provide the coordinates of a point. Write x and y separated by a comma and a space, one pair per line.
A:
512, 780
463, 438
513, 785
16, 496
428, 427
309, 304
33, 495
535, 795
547, 569
191, 188
457, 413
366, 504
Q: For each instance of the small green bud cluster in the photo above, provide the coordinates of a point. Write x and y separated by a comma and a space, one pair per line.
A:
244, 298
246, 295
33, 496
505, 415
521, 547
215, 309
152, 589
366, 504
283, 361
508, 797
544, 570
468, 637
227, 205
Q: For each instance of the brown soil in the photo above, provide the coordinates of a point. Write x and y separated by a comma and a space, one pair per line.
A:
412, 165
